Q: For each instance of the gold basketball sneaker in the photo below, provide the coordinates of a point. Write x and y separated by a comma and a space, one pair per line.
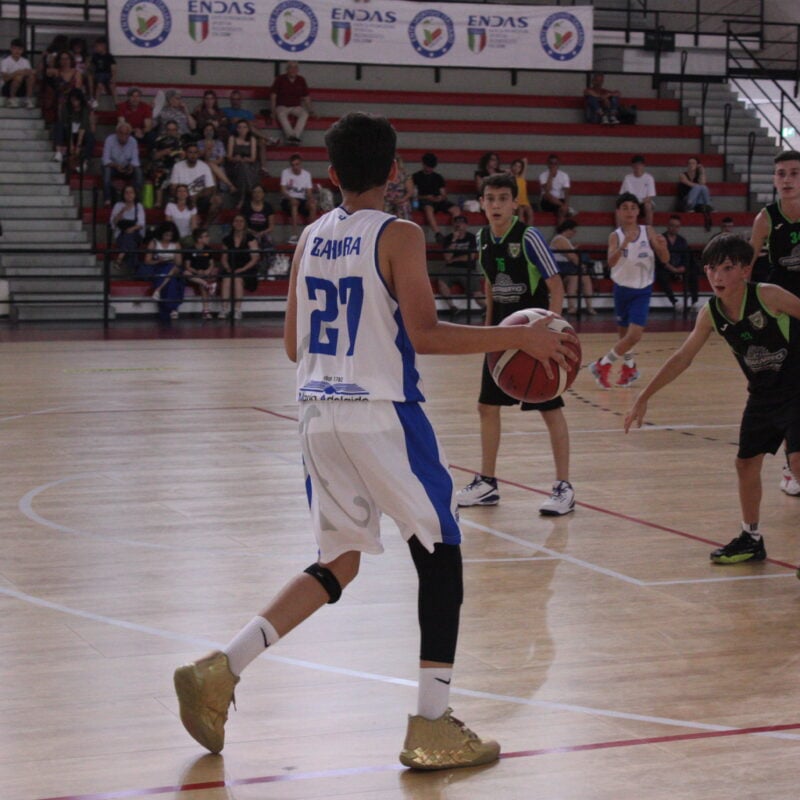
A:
205, 690
445, 743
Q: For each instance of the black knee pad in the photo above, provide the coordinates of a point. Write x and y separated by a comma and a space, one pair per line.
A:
441, 592
329, 581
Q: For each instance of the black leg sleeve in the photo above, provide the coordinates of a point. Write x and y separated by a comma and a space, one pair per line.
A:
441, 592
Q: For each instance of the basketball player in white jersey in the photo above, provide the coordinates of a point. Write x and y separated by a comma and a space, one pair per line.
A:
360, 304
631, 256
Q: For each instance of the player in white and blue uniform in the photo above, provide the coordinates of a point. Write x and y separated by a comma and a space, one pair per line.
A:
360, 305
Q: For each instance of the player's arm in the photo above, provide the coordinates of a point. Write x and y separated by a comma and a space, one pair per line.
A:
615, 247
290, 321
555, 288
778, 300
672, 367
759, 233
401, 255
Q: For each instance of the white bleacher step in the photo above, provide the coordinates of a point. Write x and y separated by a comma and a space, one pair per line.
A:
27, 179
21, 123
26, 145
41, 225
47, 263
16, 134
57, 196
50, 192
28, 245
43, 312
762, 145
19, 112
75, 287
10, 166
42, 237
39, 211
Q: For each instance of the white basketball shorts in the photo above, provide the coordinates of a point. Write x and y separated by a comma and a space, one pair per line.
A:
365, 458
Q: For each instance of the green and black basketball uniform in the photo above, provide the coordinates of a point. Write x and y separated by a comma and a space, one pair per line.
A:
783, 249
767, 347
516, 266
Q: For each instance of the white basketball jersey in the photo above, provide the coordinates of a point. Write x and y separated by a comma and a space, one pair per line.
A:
351, 341
636, 267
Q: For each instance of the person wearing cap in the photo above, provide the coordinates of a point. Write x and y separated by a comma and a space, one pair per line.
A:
432, 194
641, 184
460, 251
139, 115
176, 111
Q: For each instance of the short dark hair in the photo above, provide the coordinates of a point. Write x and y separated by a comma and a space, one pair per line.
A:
17, 43
566, 225
459, 218
161, 229
727, 245
101, 40
627, 197
787, 155
501, 180
430, 160
674, 216
726, 220
361, 148
637, 160
198, 232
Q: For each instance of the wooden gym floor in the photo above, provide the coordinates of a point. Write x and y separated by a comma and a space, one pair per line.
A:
152, 501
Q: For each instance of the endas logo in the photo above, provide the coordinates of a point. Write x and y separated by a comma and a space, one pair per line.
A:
198, 27
293, 26
562, 36
431, 33
341, 33
476, 39
147, 23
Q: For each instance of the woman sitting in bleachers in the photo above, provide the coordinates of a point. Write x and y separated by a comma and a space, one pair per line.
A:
693, 191
209, 112
163, 266
127, 225
182, 212
242, 161
212, 151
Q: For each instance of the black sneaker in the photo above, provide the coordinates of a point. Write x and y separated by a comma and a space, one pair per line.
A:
743, 548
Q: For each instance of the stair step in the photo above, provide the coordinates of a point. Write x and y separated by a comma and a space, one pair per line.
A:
55, 287
59, 196
9, 192
39, 212
17, 238
22, 123
48, 263
41, 224
27, 145
31, 312
19, 113
28, 245
8, 179
9, 166
16, 134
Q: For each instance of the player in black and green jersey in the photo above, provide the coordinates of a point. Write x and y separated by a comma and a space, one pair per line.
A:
761, 324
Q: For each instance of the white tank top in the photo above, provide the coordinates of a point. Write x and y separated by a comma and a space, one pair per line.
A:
636, 267
351, 341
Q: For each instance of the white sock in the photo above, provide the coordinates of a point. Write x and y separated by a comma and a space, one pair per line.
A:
752, 529
629, 359
610, 357
434, 691
249, 643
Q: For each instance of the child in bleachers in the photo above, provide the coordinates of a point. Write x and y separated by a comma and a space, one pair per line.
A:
18, 76
102, 72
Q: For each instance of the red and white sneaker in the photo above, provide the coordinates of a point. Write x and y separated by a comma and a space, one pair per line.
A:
601, 374
789, 485
627, 377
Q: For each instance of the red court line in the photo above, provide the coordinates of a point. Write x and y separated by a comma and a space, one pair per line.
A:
620, 515
337, 773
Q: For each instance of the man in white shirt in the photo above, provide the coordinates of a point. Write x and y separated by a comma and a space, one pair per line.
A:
197, 176
641, 183
555, 185
18, 77
297, 194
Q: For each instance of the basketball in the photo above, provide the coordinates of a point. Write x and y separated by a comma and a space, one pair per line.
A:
523, 377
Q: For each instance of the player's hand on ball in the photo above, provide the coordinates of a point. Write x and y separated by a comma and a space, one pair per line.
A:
636, 414
544, 344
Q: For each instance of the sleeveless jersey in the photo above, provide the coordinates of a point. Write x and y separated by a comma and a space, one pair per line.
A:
516, 266
636, 267
351, 341
783, 247
767, 347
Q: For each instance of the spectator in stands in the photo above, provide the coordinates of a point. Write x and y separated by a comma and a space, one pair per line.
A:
167, 151
139, 115
432, 194
17, 76
242, 161
693, 191
297, 191
727, 225
554, 185
74, 132
572, 266
120, 160
102, 72
176, 111
643, 185
209, 112
164, 266
289, 98
488, 164
239, 266
680, 263
199, 269
260, 219
212, 151
399, 192
183, 214
197, 176
236, 112
46, 72
519, 168
80, 54
460, 251
128, 224
65, 78
601, 105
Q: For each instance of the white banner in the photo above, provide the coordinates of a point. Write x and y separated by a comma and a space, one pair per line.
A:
378, 32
